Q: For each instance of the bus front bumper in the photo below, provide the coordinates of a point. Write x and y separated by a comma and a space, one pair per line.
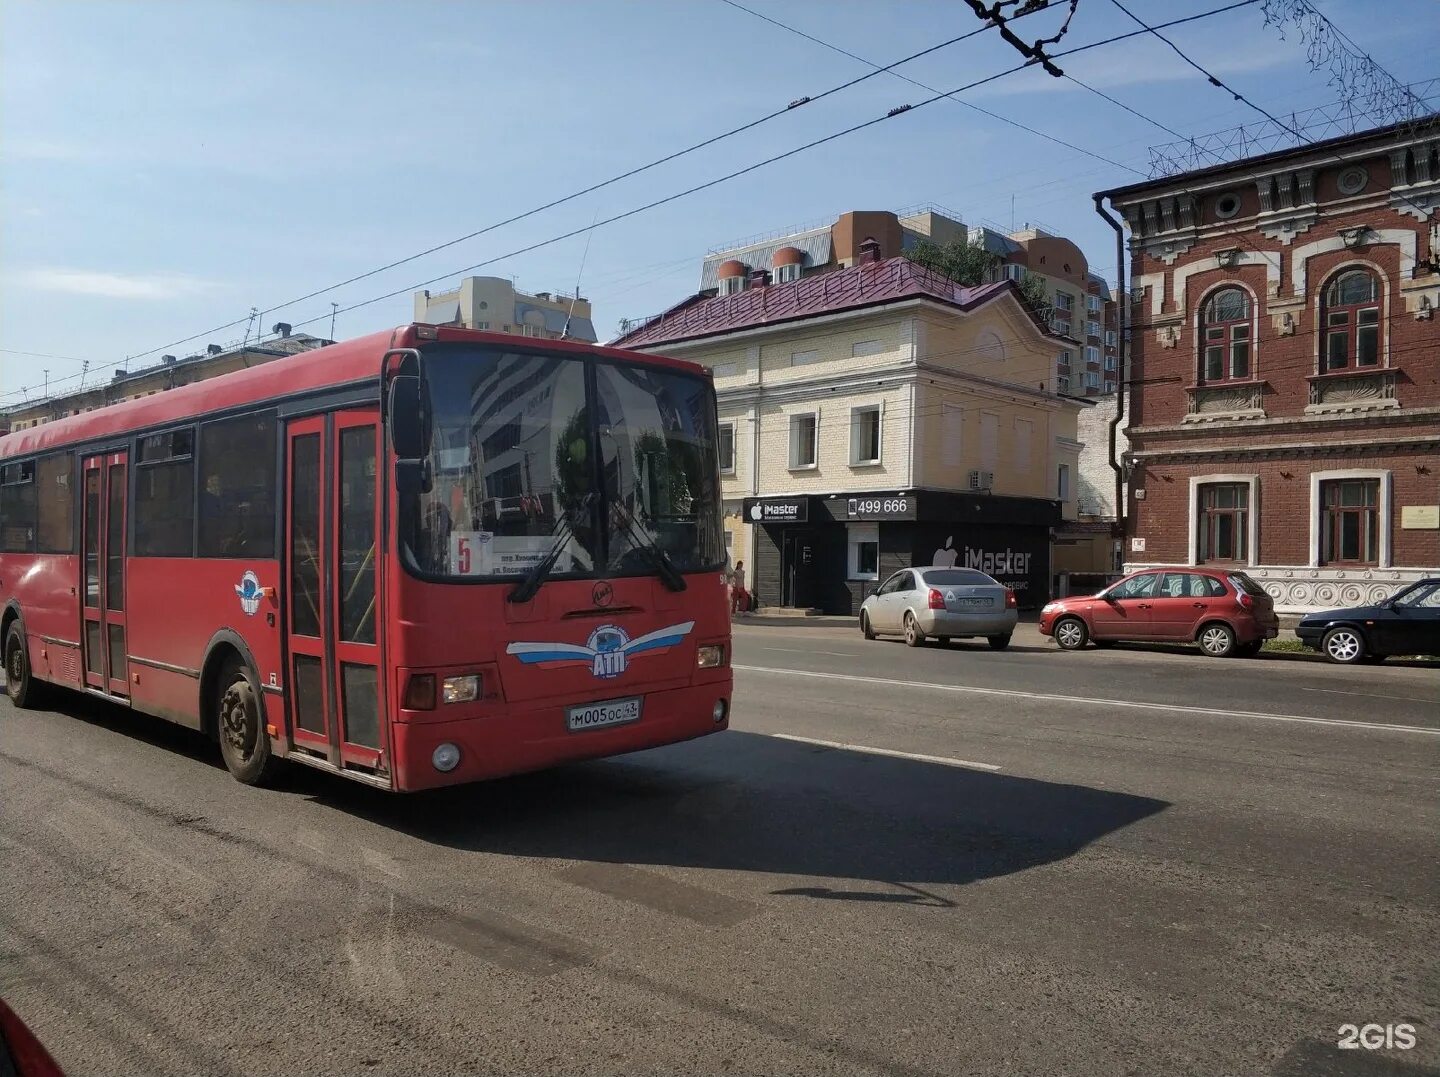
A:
536, 737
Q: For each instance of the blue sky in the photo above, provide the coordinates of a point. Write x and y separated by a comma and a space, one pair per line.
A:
166, 166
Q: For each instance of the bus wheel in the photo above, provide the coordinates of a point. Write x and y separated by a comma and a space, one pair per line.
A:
23, 689
241, 729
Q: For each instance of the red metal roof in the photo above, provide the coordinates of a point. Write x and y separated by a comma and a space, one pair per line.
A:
859, 286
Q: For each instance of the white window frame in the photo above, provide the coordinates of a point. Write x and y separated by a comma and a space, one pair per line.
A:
1109, 386
1060, 325
1092, 379
1111, 363
1062, 482
857, 535
1092, 353
1014, 272
805, 358
1112, 338
1252, 518
1093, 304
1065, 301
1382, 510
786, 274
795, 423
731, 427
730, 285
856, 413
1092, 328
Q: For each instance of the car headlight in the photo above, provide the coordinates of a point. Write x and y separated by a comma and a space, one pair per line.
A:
710, 656
461, 689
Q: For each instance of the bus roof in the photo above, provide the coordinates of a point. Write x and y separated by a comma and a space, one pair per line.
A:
348, 363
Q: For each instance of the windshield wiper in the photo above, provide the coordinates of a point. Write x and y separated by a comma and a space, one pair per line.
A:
530, 583
664, 567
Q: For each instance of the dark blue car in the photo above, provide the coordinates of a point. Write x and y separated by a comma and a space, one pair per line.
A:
1407, 622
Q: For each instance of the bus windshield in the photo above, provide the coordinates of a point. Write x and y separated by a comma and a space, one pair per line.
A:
529, 449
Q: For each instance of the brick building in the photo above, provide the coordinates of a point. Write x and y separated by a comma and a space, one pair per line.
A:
1285, 359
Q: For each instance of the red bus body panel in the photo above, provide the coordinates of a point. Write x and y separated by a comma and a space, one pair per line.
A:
177, 606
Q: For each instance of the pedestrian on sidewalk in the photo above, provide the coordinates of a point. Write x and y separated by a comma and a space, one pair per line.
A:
739, 597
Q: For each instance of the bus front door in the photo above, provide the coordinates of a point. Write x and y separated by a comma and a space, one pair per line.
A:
103, 526
332, 523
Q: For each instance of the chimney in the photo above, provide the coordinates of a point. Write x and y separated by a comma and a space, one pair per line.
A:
281, 329
167, 359
118, 375
869, 251
213, 349
759, 278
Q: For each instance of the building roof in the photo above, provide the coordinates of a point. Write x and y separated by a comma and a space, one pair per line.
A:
1424, 127
865, 285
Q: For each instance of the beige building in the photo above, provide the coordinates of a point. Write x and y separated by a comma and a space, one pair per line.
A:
492, 303
170, 372
877, 415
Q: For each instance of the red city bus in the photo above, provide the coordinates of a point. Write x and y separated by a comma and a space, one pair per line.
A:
419, 558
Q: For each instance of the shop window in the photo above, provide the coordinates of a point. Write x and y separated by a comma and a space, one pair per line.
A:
1350, 522
865, 435
237, 487
1226, 331
802, 441
165, 495
1351, 317
1223, 522
864, 551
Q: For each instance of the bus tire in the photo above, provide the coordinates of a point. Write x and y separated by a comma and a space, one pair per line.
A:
24, 690
240, 726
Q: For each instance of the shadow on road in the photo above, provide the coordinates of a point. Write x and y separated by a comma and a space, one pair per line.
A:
748, 802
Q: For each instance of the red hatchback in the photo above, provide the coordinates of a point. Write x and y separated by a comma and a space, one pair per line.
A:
1226, 613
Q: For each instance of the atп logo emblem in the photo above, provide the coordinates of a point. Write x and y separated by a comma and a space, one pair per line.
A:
249, 591
607, 651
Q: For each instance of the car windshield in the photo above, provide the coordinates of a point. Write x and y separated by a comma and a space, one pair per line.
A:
1247, 584
1424, 595
957, 576
522, 440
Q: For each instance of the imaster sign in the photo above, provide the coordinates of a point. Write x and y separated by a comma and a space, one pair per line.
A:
788, 510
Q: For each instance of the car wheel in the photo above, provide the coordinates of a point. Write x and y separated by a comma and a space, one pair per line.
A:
24, 690
998, 643
1344, 645
914, 637
1071, 633
244, 742
1217, 640
865, 629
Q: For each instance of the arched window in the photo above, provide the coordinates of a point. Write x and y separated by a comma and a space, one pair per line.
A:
1352, 320
1225, 329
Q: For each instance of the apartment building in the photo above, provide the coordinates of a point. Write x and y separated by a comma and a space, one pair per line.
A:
493, 303
875, 415
1285, 386
1083, 306
171, 371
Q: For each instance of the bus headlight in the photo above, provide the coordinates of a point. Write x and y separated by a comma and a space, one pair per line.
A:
460, 689
710, 656
446, 757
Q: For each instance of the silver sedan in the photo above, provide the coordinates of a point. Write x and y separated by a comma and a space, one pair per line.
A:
944, 603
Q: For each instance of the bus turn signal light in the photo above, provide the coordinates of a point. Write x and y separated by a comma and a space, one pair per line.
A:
420, 692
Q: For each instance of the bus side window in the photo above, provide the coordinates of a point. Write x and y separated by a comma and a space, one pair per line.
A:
237, 487
55, 495
165, 495
17, 507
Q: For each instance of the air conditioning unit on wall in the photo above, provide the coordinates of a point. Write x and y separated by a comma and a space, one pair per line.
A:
982, 480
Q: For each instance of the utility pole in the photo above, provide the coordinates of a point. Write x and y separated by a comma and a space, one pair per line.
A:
47, 383
334, 309
84, 369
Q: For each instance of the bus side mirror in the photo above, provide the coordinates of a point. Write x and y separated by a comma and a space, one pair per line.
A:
408, 433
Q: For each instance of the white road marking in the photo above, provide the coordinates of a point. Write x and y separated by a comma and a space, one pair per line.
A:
945, 760
800, 650
1362, 695
1126, 703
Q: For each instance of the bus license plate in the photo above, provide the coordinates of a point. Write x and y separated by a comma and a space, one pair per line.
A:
606, 712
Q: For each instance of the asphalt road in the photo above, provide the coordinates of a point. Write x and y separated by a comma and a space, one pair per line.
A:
1113, 862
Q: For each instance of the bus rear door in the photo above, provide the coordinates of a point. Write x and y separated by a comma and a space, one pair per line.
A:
332, 526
